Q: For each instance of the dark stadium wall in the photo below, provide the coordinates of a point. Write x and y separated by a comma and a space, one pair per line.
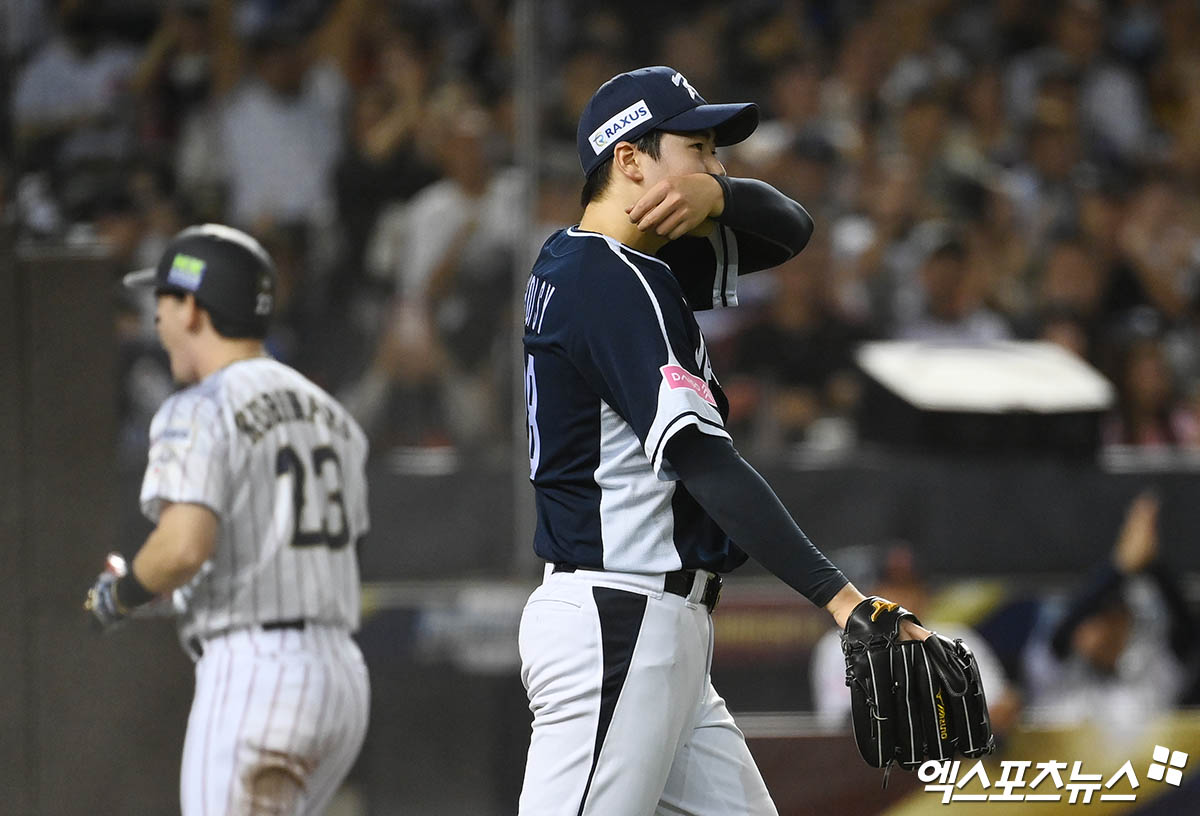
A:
96, 724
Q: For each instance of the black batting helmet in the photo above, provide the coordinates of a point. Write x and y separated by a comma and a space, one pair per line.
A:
227, 271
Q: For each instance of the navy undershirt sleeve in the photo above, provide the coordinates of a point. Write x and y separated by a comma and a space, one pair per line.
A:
760, 228
747, 509
779, 226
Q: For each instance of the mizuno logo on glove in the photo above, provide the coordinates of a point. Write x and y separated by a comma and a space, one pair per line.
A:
883, 606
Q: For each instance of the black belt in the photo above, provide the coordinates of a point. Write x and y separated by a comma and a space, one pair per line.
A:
196, 645
679, 582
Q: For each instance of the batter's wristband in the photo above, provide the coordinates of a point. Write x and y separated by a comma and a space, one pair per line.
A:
131, 593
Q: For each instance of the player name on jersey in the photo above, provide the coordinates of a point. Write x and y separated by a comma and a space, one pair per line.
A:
270, 408
537, 297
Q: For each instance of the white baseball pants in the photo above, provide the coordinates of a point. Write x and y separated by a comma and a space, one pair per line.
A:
284, 701
626, 721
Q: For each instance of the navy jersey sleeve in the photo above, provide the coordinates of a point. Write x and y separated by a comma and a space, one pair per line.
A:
635, 341
759, 229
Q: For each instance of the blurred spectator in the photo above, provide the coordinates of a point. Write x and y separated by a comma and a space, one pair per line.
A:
921, 135
809, 172
901, 581
300, 333
1071, 286
926, 65
1174, 86
73, 116
1159, 245
997, 252
71, 103
1060, 141
22, 26
803, 164
952, 310
1124, 647
584, 69
849, 92
795, 365
1112, 107
384, 161
692, 45
795, 101
449, 252
282, 133
133, 222
191, 58
1149, 410
1101, 215
983, 138
876, 246
1181, 344
1042, 184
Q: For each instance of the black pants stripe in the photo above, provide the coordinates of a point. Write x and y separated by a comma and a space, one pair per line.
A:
621, 616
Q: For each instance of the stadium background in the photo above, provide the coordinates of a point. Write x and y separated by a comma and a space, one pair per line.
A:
978, 171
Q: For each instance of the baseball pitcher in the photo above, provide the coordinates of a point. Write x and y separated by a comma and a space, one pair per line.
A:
641, 495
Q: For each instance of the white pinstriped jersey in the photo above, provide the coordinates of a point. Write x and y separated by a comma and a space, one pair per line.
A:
282, 464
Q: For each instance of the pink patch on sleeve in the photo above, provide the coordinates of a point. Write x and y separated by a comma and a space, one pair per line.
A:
678, 377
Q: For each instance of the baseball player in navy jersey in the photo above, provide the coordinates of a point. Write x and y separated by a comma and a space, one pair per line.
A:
639, 490
256, 485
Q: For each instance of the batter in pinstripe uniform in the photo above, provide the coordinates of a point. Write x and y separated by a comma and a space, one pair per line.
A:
256, 484
640, 493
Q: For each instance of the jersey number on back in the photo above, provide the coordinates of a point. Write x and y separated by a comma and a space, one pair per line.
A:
531, 402
332, 529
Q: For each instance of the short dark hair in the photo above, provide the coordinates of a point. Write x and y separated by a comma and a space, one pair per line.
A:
597, 181
224, 326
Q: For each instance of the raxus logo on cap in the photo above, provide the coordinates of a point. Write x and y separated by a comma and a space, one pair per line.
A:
604, 135
655, 98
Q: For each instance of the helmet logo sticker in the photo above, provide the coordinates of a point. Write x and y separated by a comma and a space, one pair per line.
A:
186, 272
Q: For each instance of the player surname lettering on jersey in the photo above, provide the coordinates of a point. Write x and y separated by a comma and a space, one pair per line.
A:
537, 297
270, 408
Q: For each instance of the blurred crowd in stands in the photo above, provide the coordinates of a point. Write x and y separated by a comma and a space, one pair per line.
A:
1115, 647
977, 170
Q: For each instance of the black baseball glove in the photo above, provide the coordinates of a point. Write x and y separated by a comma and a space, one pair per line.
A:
911, 701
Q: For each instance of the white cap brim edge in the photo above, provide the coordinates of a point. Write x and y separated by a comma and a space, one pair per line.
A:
140, 278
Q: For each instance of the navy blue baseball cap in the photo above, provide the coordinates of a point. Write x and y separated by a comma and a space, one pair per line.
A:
227, 270
656, 98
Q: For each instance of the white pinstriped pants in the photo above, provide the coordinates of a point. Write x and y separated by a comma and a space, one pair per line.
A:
287, 699
626, 721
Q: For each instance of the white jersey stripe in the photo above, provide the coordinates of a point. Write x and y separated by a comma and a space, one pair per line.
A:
725, 248
578, 233
636, 522
731, 271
